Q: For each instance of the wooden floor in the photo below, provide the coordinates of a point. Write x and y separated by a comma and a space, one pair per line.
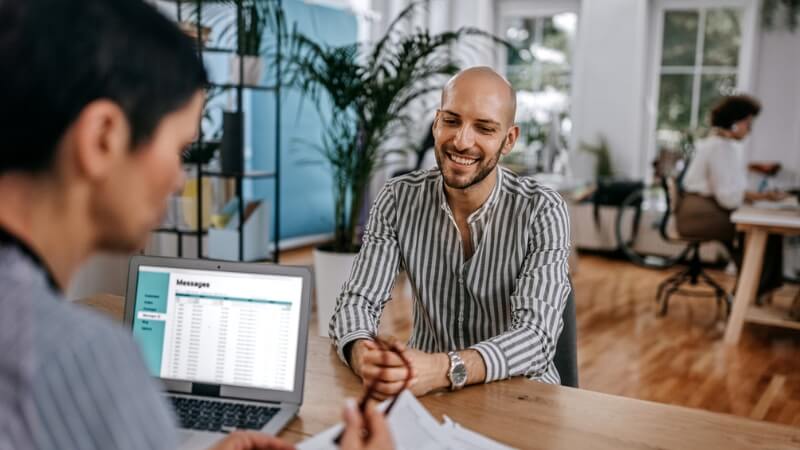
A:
624, 349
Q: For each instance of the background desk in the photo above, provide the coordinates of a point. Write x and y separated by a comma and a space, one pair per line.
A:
758, 223
528, 414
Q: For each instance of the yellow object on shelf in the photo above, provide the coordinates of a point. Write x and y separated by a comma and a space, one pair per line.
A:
190, 203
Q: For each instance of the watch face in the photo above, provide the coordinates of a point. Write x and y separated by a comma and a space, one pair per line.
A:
459, 374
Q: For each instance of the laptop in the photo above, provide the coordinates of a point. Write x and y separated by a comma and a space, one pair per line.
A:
227, 340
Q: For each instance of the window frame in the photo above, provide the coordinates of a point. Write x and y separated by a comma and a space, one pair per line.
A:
744, 72
535, 9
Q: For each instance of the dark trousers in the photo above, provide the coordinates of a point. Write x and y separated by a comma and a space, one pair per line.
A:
701, 217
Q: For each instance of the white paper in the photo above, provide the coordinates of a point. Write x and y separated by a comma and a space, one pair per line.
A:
789, 203
466, 439
414, 428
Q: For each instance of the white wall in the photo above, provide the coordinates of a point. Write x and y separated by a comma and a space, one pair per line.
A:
776, 135
608, 95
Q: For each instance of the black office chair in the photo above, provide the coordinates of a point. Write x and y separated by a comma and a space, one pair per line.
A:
694, 273
566, 358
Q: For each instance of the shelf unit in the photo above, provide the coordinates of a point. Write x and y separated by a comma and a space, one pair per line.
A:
238, 177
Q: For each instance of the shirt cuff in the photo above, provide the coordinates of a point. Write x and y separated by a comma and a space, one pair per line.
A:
493, 359
342, 342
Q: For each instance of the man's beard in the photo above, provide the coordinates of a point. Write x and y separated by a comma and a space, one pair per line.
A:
484, 169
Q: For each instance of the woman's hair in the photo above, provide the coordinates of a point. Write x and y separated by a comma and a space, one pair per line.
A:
60, 55
732, 109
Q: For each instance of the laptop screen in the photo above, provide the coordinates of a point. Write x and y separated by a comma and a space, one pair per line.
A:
218, 327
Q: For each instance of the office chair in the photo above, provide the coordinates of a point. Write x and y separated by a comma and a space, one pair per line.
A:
566, 358
694, 273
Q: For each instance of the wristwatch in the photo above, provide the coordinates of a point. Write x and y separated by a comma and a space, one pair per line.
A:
457, 373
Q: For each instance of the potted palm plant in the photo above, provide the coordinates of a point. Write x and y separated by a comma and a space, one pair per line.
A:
247, 29
240, 24
365, 91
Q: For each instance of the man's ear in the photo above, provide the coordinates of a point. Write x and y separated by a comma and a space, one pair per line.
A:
511, 138
100, 138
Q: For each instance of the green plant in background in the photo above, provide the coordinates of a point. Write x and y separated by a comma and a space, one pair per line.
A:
366, 91
256, 18
788, 9
602, 154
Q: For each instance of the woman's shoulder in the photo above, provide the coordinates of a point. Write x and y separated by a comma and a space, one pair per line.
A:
713, 144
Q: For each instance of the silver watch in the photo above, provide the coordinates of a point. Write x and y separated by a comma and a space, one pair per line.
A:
457, 373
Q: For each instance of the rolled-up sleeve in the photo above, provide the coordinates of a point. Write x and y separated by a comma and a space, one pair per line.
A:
363, 296
537, 302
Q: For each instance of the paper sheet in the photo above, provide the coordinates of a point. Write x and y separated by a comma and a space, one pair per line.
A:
466, 439
789, 203
414, 428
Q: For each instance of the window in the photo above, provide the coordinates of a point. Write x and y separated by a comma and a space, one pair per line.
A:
701, 50
699, 64
541, 72
544, 57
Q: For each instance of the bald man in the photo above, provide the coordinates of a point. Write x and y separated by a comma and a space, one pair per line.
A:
485, 252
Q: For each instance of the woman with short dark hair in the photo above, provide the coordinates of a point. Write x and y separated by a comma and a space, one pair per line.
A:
715, 184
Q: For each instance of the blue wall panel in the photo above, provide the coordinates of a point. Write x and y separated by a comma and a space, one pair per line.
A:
306, 186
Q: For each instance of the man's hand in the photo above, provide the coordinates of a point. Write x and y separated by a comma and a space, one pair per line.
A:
430, 371
251, 440
367, 432
386, 368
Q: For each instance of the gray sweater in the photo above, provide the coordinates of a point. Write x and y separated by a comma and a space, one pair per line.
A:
69, 378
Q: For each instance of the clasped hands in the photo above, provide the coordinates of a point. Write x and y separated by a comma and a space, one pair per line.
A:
386, 372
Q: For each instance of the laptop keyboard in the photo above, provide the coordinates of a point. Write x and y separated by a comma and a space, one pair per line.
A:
210, 415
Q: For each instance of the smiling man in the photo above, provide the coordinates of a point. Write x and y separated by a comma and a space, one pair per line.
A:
485, 251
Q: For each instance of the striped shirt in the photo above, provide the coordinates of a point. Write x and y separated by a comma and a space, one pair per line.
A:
70, 379
505, 301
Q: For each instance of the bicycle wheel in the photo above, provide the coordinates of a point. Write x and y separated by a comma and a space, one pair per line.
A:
638, 230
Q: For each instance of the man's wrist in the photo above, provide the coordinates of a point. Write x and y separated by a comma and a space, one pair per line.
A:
349, 352
444, 371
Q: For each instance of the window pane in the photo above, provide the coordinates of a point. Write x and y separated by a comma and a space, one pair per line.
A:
544, 54
723, 37
712, 87
675, 102
680, 38
557, 34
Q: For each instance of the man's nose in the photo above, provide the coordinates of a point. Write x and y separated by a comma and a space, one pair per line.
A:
465, 138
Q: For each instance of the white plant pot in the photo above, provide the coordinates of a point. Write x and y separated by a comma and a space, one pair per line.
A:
331, 271
253, 70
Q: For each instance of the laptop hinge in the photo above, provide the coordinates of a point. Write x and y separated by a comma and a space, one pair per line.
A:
205, 390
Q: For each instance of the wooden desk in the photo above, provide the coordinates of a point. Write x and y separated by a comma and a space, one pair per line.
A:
527, 414
758, 224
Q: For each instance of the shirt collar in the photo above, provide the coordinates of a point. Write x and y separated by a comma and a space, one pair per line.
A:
13, 241
487, 205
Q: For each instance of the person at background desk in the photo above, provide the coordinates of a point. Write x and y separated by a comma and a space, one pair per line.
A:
715, 184
485, 252
98, 100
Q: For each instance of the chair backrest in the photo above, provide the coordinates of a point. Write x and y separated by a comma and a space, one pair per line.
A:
566, 358
667, 227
